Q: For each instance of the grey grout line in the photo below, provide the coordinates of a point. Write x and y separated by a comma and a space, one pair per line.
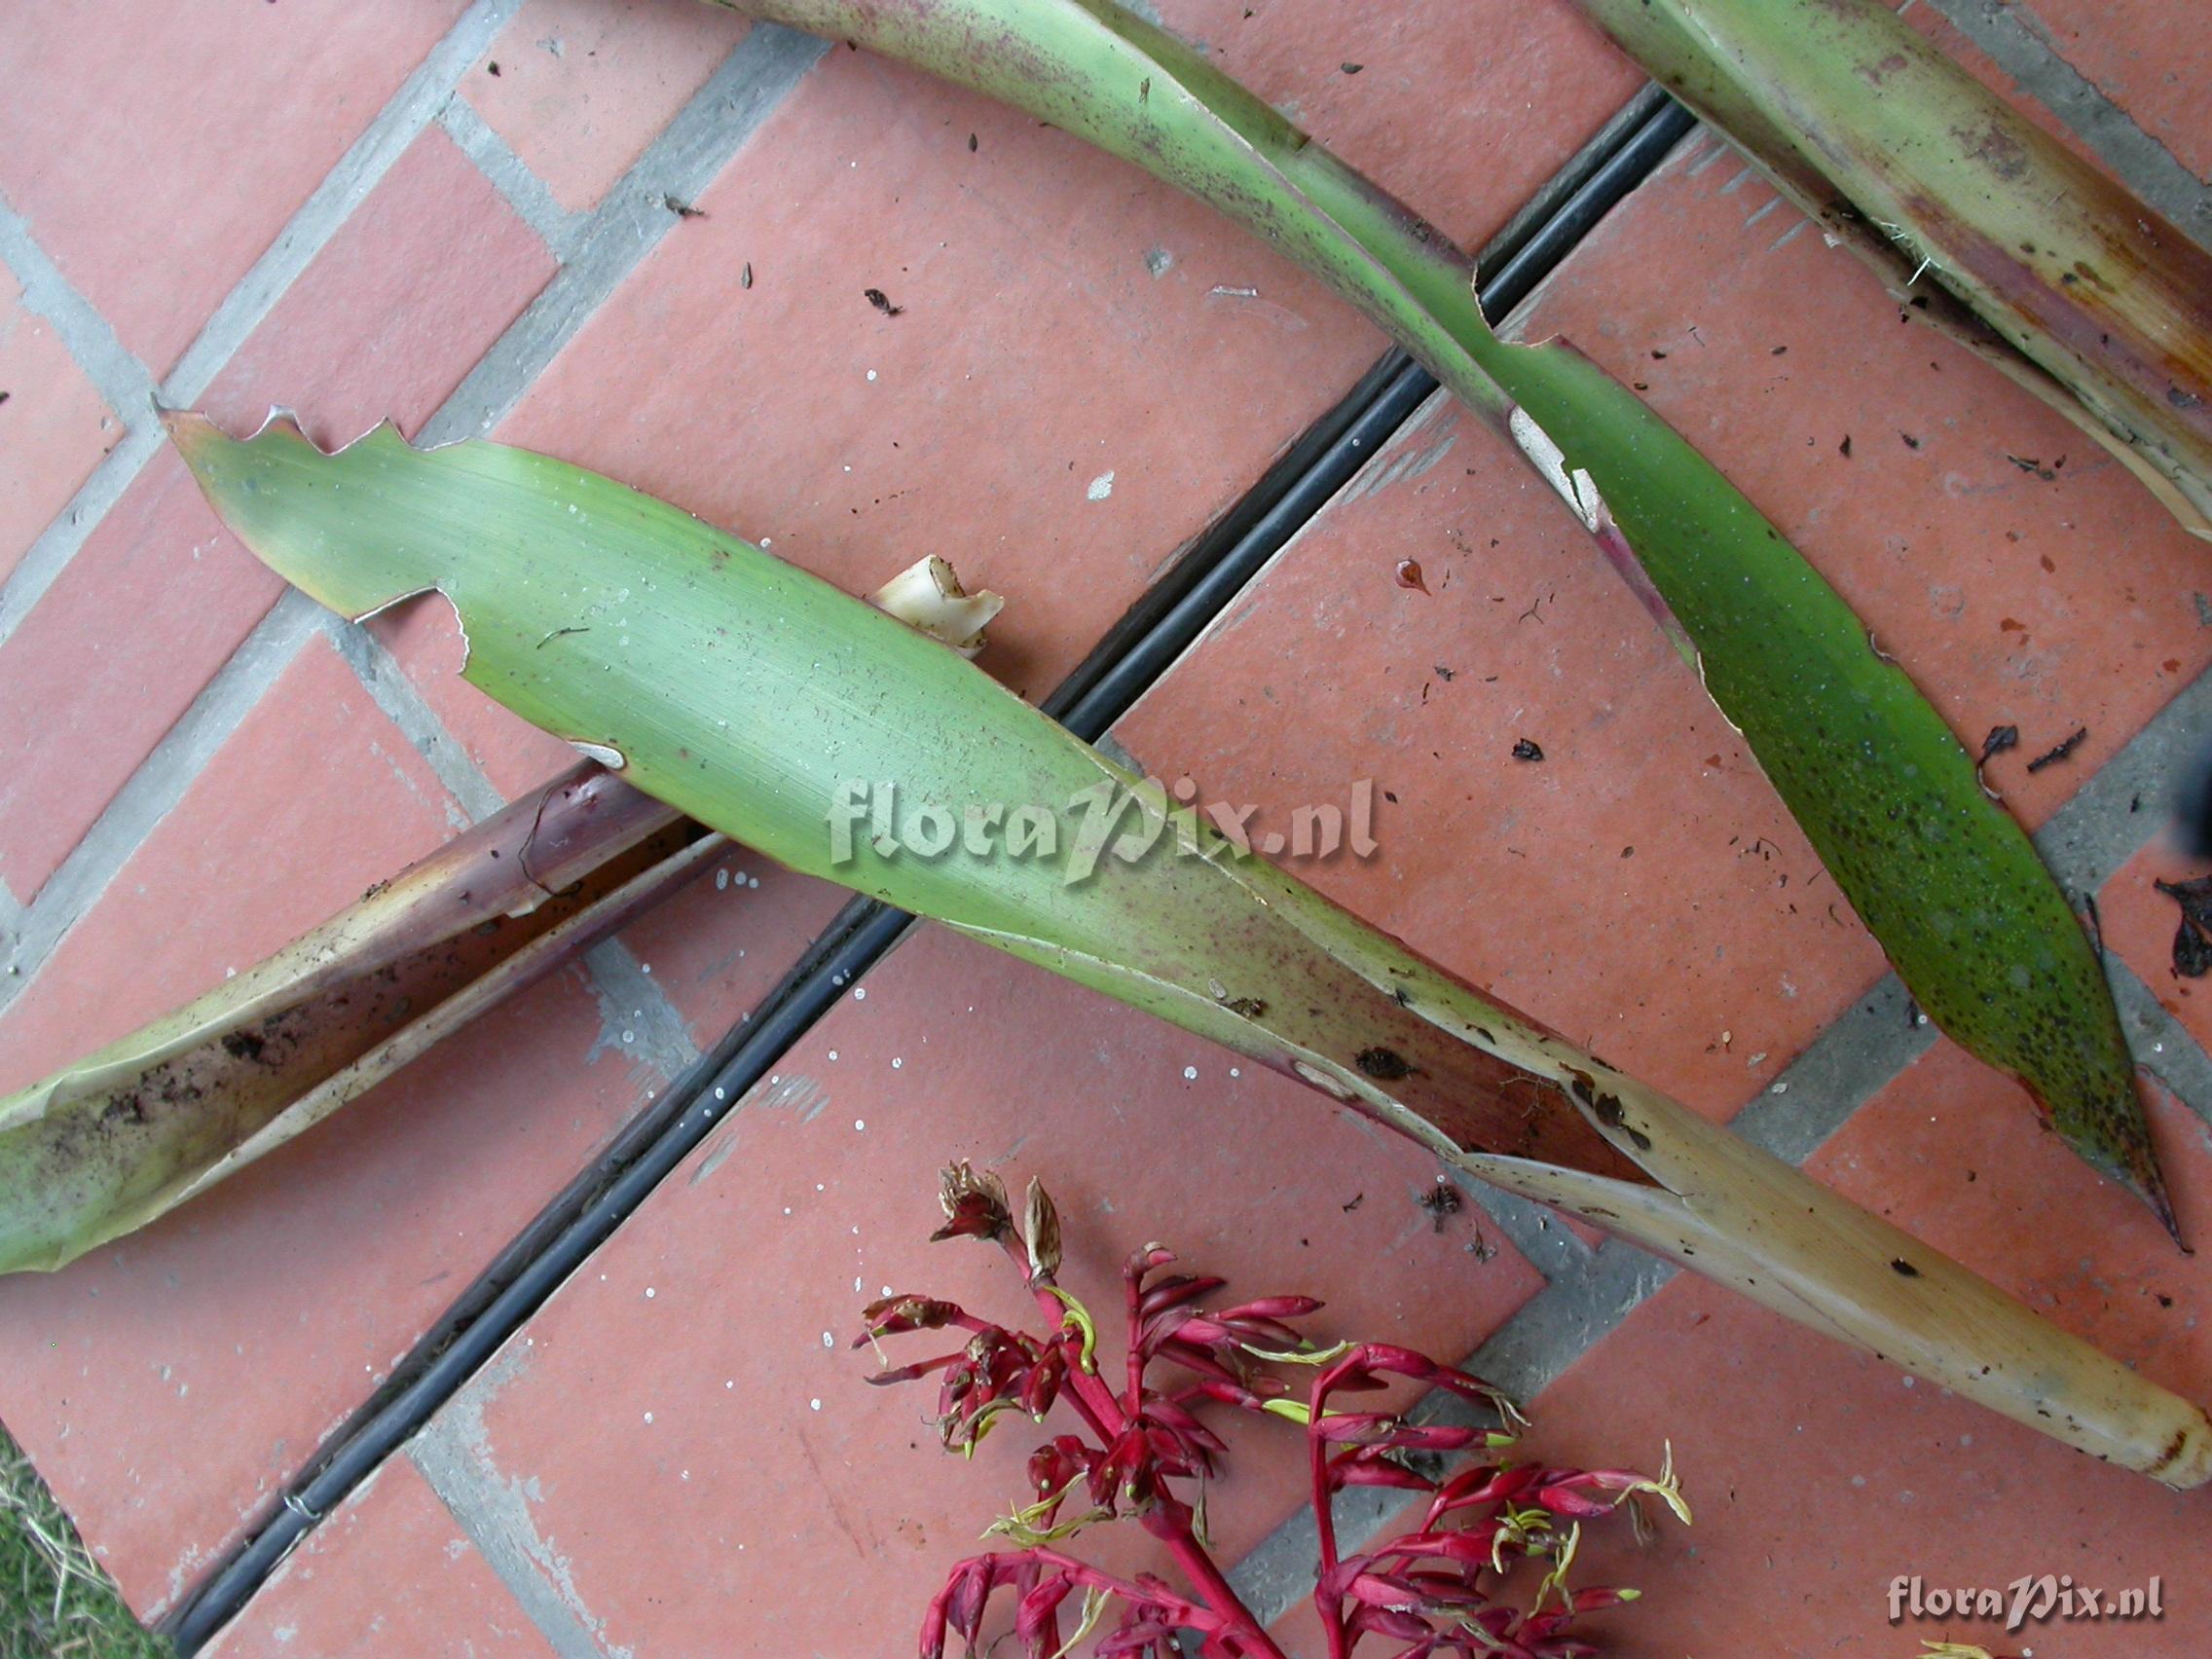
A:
1547, 1244
510, 176
2115, 813
630, 222
359, 171
710, 130
58, 542
303, 236
121, 379
2021, 48
402, 704
2126, 802
2160, 1041
158, 784
453, 1454
636, 1015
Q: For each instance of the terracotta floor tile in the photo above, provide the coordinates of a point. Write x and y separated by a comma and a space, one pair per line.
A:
271, 840
1817, 1474
152, 191
396, 309
1640, 887
387, 321
168, 1385
578, 89
1955, 43
1044, 410
54, 426
720, 945
388, 1573
1519, 86
424, 635
136, 624
749, 1454
2145, 58
2047, 604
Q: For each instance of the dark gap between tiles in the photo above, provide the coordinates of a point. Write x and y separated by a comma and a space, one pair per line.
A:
1131, 655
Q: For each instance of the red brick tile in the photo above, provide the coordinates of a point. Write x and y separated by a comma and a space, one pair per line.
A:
2139, 924
168, 1384
2049, 604
1044, 404
245, 1326
54, 426
722, 944
749, 1454
1818, 1474
1640, 888
396, 309
2146, 58
135, 627
1546, 80
153, 193
578, 89
388, 1573
1956, 43
424, 635
271, 840
387, 321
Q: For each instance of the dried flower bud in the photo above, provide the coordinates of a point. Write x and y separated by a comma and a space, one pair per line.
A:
1041, 1232
975, 1205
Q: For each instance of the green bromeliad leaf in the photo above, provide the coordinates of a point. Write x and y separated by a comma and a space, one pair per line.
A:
775, 709
1945, 879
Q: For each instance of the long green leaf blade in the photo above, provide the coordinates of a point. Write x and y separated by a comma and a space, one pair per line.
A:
1947, 879
751, 695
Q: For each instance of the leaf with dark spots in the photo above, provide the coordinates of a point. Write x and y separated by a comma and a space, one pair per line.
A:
2193, 939
1386, 1065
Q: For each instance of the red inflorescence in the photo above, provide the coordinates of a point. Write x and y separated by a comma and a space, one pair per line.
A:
1144, 1453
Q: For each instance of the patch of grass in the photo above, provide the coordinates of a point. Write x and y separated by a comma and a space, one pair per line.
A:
55, 1602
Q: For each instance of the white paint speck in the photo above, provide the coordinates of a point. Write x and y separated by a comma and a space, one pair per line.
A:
859, 1124
897, 1062
860, 993
1189, 1074
1236, 1071
833, 1054
649, 1416
814, 1405
649, 1293
871, 374
1102, 485
828, 1340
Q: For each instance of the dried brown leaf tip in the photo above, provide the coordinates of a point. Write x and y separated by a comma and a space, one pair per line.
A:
975, 1205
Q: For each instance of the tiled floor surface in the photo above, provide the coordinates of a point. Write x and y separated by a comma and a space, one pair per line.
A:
638, 234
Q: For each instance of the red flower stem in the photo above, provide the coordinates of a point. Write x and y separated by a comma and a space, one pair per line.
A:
1105, 1417
1328, 1609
